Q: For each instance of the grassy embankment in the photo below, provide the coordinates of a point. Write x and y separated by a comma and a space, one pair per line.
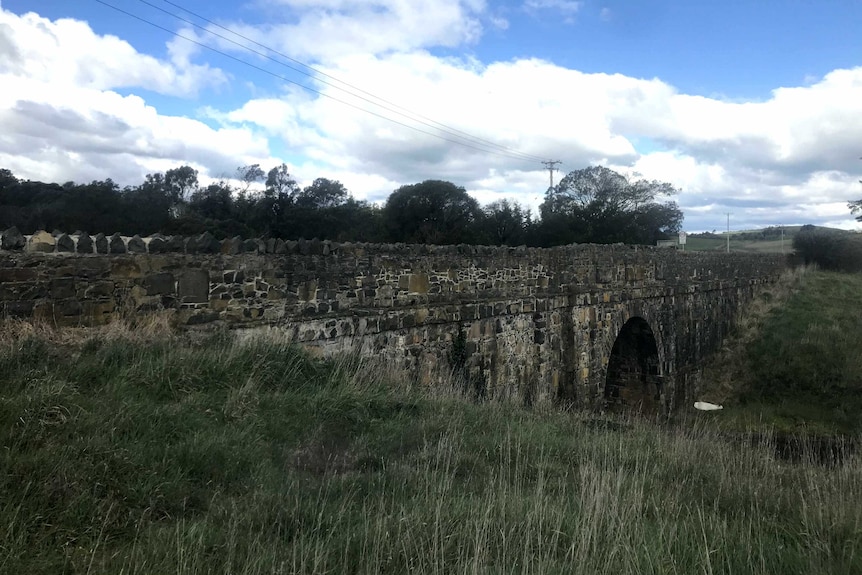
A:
130, 453
795, 364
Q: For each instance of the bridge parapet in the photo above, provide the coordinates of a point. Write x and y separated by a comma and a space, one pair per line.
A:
536, 324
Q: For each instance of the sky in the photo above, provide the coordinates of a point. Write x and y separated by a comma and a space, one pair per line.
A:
752, 108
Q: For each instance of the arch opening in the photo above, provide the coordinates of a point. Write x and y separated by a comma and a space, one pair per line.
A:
633, 382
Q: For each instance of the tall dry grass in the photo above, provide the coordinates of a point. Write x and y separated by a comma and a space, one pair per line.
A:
138, 455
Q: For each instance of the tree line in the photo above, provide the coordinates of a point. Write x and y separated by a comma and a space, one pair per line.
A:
594, 205
829, 249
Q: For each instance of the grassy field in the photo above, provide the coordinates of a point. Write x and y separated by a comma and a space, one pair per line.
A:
751, 241
694, 243
138, 451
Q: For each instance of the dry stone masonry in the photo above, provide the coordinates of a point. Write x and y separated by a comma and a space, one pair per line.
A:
592, 325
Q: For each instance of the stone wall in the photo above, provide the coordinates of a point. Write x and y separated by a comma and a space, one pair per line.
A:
531, 324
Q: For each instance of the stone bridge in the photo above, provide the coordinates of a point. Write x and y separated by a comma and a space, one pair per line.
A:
591, 325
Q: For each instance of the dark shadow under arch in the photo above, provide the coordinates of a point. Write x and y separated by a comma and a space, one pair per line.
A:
633, 382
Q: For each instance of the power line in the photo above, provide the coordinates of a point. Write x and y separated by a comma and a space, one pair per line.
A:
315, 73
474, 145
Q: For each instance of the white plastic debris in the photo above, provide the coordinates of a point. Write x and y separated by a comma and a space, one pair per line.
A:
704, 406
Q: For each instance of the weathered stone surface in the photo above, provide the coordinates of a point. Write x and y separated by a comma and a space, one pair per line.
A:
533, 325
41, 241
62, 288
18, 274
137, 245
204, 244
125, 268
100, 289
176, 244
193, 286
12, 239
101, 242
65, 243
231, 246
157, 245
418, 283
85, 244
160, 284
116, 245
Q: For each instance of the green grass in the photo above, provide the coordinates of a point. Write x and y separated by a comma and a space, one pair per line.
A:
806, 364
126, 454
794, 364
750, 241
699, 244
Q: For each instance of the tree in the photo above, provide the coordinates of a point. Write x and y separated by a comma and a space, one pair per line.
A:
7, 179
431, 212
214, 201
599, 205
151, 203
504, 223
249, 175
180, 183
279, 183
322, 193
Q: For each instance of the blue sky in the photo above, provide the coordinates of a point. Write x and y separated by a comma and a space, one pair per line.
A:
747, 107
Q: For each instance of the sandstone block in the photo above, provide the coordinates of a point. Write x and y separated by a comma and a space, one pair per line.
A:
193, 286
41, 241
160, 284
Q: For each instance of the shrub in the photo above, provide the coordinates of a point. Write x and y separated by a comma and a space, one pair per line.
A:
829, 249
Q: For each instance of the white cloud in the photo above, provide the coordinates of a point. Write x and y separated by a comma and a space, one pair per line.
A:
567, 8
323, 30
63, 120
500, 22
67, 52
791, 148
83, 134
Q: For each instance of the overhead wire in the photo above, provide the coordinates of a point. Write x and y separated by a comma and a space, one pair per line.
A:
316, 74
476, 145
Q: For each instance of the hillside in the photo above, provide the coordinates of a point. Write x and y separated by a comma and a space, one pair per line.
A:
767, 240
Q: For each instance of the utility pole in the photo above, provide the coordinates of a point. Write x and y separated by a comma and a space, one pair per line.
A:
728, 232
782, 239
550, 167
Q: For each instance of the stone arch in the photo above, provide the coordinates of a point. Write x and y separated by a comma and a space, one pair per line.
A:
633, 379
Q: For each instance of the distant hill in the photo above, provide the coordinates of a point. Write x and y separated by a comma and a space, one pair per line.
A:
765, 240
